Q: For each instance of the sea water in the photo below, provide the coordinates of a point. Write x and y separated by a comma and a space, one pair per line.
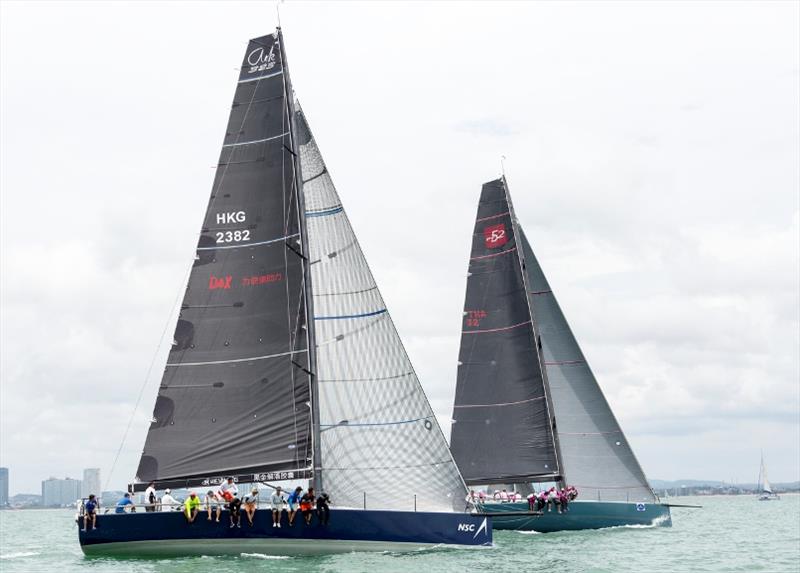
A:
729, 533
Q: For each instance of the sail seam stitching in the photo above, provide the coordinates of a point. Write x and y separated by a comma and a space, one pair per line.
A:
250, 244
494, 254
492, 217
237, 359
500, 404
256, 140
279, 72
496, 329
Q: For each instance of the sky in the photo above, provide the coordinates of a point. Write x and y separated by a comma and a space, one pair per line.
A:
651, 152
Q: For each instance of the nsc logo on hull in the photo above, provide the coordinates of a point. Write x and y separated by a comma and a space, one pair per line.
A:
472, 527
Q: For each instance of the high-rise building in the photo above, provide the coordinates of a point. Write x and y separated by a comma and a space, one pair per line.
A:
91, 482
60, 492
3, 487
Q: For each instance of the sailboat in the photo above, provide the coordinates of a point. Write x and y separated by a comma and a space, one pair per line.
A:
764, 488
528, 410
285, 364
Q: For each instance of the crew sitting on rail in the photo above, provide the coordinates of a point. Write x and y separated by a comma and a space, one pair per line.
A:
307, 505
276, 502
212, 504
90, 513
126, 500
250, 504
191, 507
235, 507
294, 501
323, 509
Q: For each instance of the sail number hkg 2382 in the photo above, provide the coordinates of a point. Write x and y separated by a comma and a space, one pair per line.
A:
233, 236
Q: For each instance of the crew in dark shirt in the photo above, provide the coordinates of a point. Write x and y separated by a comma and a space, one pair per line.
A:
307, 505
235, 506
323, 508
90, 513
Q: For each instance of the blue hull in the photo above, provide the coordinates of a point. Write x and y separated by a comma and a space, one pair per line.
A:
168, 534
581, 515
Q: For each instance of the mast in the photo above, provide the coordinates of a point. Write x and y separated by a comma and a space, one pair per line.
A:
304, 255
536, 336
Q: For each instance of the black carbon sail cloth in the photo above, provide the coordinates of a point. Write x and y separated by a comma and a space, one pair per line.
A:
234, 395
501, 430
595, 455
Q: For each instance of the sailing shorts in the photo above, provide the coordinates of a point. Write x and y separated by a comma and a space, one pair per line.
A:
292, 506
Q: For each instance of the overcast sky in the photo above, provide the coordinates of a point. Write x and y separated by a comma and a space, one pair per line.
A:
652, 154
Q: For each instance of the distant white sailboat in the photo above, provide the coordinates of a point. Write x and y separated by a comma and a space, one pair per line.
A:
765, 492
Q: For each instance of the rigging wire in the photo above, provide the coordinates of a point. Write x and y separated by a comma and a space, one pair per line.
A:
178, 297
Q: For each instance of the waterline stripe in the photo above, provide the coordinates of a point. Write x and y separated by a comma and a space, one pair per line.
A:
344, 316
249, 244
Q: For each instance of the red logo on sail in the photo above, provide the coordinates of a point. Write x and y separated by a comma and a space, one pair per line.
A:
219, 282
495, 236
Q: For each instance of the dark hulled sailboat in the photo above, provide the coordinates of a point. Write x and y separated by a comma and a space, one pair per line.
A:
527, 406
285, 364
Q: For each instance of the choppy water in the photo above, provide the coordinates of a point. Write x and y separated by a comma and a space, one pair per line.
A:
728, 534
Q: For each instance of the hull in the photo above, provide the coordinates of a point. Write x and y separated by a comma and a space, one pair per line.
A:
581, 515
168, 534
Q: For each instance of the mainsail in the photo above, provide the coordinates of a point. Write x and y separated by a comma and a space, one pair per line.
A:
596, 457
234, 395
255, 389
502, 429
379, 440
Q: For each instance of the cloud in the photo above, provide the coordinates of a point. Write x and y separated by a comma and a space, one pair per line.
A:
657, 181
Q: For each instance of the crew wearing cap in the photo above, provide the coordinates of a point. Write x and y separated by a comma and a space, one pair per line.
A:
169, 503
191, 506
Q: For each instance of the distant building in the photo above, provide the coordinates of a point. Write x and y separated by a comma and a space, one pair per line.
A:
91, 482
60, 492
3, 487
24, 500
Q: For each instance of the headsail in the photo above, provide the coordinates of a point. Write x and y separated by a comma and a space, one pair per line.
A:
763, 480
595, 454
235, 391
501, 430
378, 434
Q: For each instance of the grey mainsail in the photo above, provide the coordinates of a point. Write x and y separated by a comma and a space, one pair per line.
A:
595, 455
379, 440
234, 395
502, 430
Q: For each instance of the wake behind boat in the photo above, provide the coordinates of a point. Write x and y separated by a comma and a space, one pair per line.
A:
285, 366
528, 409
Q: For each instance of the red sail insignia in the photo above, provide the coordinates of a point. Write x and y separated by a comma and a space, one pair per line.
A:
495, 236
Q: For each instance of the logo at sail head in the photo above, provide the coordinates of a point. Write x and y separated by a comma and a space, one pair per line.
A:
260, 59
495, 236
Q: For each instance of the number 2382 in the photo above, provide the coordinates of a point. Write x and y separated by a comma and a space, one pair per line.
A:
233, 236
